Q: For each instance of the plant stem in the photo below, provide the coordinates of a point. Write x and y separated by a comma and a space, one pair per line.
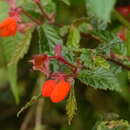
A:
61, 59
29, 16
114, 59
38, 120
121, 19
27, 119
44, 14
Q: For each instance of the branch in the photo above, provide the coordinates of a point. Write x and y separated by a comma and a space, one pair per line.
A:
121, 19
62, 60
50, 17
29, 16
115, 58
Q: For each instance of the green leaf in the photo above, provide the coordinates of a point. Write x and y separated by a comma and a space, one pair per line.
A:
21, 47
100, 8
3, 76
104, 36
7, 45
73, 37
52, 35
12, 75
64, 30
33, 100
29, 5
71, 106
43, 46
49, 5
86, 58
101, 62
99, 78
67, 2
84, 27
120, 49
115, 68
107, 47
128, 42
3, 10
98, 24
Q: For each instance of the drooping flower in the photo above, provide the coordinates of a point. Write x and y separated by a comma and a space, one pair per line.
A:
56, 90
41, 63
8, 27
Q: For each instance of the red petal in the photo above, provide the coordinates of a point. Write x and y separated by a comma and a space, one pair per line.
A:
60, 91
121, 34
8, 27
48, 87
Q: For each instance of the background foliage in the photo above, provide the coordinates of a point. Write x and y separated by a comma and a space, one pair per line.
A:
86, 29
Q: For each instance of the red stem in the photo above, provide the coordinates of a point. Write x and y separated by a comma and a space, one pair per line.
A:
29, 16
62, 60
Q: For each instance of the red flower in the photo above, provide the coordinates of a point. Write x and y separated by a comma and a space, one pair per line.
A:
121, 34
125, 10
57, 91
8, 27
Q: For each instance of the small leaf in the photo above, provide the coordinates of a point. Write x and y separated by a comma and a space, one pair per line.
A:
71, 106
99, 78
73, 37
64, 30
49, 5
86, 58
120, 49
51, 34
33, 100
21, 48
104, 36
101, 62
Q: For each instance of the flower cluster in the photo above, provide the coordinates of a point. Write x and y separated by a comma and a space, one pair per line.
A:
56, 90
14, 22
58, 84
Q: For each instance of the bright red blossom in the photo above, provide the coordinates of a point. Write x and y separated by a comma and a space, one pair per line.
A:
8, 27
56, 90
48, 87
124, 10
